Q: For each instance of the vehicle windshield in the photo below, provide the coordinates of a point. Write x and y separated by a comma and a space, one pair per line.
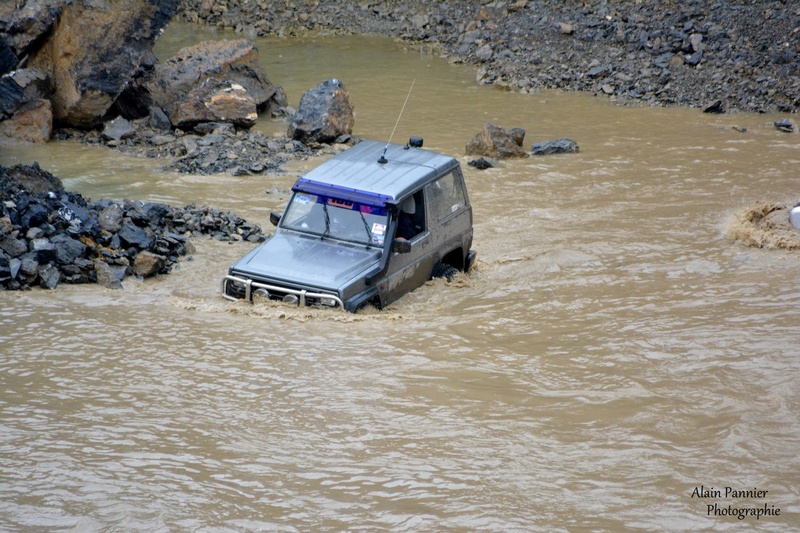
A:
335, 218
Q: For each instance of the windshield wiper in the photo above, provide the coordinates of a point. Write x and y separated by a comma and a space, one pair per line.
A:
366, 227
327, 220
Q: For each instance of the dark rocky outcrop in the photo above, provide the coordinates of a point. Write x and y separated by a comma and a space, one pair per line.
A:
50, 236
324, 115
494, 141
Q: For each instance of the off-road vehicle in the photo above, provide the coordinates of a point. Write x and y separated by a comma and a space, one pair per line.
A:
367, 226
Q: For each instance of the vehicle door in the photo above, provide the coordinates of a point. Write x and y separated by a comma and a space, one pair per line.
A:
449, 218
407, 271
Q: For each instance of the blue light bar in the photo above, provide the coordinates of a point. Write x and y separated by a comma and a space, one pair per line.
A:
345, 193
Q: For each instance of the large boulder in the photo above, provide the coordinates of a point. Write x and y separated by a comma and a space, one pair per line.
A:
214, 81
494, 141
325, 113
94, 51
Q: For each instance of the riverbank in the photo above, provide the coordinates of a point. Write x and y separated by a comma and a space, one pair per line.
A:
718, 56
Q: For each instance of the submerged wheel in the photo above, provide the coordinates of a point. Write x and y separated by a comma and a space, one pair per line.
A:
443, 270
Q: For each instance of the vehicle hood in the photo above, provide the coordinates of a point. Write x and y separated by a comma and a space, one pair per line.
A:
306, 261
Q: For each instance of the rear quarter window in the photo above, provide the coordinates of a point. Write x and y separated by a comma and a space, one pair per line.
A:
446, 196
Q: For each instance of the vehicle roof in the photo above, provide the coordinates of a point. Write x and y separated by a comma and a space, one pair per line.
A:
356, 174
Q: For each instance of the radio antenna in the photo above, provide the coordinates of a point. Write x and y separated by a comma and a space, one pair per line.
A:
383, 159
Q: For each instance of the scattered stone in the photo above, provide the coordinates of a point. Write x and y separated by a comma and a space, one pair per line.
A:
786, 124
717, 108
558, 146
118, 129
482, 163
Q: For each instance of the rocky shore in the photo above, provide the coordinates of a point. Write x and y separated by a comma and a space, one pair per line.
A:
50, 236
718, 55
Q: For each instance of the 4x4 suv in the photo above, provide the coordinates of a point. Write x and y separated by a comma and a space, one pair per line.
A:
369, 225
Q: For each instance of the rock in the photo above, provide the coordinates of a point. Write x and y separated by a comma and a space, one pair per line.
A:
31, 123
492, 11
786, 124
558, 146
217, 73
133, 235
105, 276
13, 247
221, 101
482, 163
49, 275
693, 59
110, 218
148, 264
34, 215
158, 120
93, 52
716, 108
484, 53
494, 141
325, 113
43, 250
598, 71
67, 249
118, 129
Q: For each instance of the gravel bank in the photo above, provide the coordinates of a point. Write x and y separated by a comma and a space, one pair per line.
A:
739, 55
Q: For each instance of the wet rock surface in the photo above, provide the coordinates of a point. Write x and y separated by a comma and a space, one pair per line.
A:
50, 236
744, 54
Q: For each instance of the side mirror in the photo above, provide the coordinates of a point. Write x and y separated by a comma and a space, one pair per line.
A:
274, 217
401, 246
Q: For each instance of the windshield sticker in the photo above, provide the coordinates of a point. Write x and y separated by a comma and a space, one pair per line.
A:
378, 229
302, 199
344, 204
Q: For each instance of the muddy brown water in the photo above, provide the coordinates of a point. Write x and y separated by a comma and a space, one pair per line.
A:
610, 353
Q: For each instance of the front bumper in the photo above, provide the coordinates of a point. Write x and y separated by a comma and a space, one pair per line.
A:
235, 288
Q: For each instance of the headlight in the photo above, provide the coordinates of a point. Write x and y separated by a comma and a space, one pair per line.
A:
330, 302
291, 298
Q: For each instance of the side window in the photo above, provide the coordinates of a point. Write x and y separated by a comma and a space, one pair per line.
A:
445, 196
